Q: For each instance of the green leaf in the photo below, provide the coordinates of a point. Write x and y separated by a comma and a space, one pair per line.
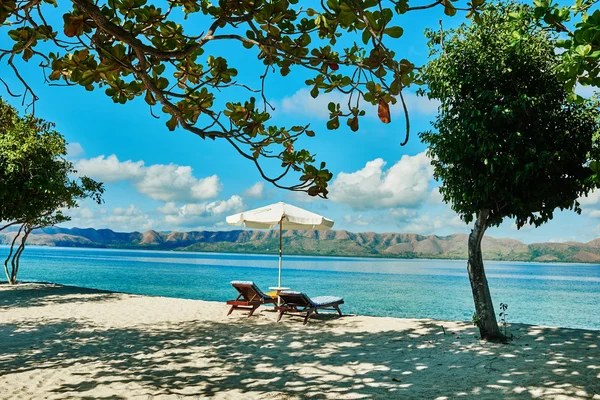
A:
172, 123
394, 31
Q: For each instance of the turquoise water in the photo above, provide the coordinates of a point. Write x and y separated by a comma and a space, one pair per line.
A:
565, 295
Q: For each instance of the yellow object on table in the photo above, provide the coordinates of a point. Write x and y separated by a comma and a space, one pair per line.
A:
272, 294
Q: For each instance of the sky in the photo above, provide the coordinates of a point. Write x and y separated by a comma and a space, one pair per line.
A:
162, 180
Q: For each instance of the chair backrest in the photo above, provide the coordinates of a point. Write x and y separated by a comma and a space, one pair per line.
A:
296, 299
248, 290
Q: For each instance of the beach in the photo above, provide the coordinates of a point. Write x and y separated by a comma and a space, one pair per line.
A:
69, 342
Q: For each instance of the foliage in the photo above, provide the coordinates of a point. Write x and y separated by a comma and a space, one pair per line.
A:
35, 179
580, 47
507, 140
135, 48
475, 320
504, 318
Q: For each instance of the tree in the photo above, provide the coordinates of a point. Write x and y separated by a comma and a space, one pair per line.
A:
507, 141
133, 48
579, 45
36, 183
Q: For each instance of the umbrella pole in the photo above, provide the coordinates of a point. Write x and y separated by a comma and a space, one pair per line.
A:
280, 252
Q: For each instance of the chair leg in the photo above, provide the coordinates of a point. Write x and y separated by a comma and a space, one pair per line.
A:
280, 315
231, 310
337, 307
307, 316
252, 311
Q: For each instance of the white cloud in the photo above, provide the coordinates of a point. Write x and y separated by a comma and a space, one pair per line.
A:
585, 91
126, 219
358, 220
168, 208
590, 205
405, 184
302, 103
176, 183
591, 199
163, 182
75, 150
110, 169
418, 104
435, 197
206, 213
433, 224
255, 191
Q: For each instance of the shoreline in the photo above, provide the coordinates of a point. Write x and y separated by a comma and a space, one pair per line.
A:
70, 342
298, 256
5, 285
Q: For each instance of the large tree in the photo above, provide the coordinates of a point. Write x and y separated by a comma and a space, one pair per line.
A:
507, 141
168, 54
37, 183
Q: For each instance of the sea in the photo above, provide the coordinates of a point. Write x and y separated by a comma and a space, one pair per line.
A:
550, 294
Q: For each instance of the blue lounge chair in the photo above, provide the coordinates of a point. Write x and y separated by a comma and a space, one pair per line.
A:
300, 303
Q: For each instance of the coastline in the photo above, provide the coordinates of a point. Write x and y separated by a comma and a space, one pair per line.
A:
65, 342
301, 256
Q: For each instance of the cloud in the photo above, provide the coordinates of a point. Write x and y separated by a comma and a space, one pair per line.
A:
590, 204
405, 184
126, 219
168, 208
433, 224
418, 104
206, 213
75, 150
302, 103
585, 91
162, 182
110, 169
358, 220
255, 191
591, 199
176, 183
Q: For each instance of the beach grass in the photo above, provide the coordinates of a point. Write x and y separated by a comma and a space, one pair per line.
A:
68, 342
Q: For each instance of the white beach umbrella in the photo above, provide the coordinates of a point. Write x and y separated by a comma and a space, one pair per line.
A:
288, 217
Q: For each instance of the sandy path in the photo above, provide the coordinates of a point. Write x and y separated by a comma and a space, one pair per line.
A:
65, 342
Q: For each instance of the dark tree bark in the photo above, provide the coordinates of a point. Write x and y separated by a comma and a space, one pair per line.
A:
10, 276
14, 257
17, 256
488, 326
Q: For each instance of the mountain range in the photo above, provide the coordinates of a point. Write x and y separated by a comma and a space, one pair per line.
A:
322, 243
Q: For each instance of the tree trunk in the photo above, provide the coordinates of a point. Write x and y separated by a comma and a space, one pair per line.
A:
484, 308
10, 276
17, 256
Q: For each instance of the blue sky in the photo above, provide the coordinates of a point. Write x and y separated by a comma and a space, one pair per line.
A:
156, 179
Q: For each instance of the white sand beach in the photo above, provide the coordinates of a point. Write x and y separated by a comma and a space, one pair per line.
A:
68, 342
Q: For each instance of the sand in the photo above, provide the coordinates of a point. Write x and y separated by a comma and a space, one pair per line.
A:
67, 342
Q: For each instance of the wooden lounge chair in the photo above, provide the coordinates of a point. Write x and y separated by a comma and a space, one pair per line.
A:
299, 303
250, 297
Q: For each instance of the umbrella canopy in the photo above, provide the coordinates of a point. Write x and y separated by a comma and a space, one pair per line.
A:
288, 217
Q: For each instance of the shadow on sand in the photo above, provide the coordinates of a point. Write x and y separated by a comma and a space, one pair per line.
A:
259, 359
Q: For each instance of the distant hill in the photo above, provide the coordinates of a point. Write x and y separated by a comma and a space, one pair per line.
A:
323, 243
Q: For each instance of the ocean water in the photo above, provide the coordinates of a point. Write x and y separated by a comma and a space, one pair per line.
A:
566, 295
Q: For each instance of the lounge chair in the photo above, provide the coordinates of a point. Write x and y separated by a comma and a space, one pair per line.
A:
250, 297
300, 303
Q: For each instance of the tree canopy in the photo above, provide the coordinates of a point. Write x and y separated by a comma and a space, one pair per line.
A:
507, 138
37, 183
161, 52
